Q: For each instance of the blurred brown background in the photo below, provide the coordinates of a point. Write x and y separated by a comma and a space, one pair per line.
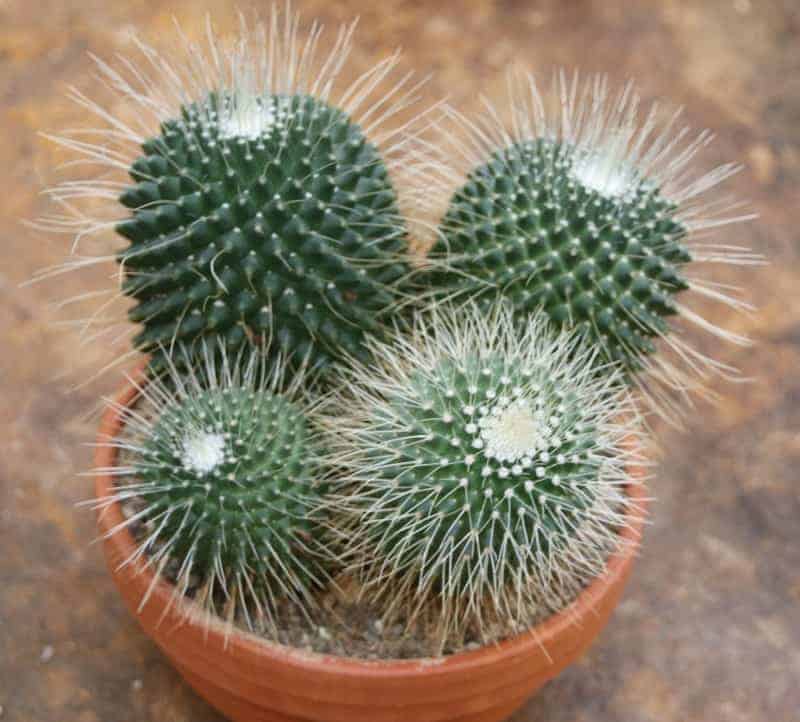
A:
710, 626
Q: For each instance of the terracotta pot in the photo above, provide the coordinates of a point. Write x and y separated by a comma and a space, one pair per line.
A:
251, 680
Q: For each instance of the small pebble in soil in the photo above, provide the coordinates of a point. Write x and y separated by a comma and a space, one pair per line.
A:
137, 685
47, 654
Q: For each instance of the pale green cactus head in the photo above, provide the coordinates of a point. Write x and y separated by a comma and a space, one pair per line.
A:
485, 466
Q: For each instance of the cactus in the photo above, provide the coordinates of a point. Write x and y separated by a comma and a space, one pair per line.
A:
262, 208
483, 467
224, 475
298, 215
585, 213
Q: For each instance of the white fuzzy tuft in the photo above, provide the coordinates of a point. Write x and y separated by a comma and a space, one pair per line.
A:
605, 171
203, 451
247, 116
514, 432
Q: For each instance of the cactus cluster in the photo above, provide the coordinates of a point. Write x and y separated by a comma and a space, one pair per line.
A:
225, 476
471, 451
488, 467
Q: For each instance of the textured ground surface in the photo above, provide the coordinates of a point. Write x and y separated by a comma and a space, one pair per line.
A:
710, 627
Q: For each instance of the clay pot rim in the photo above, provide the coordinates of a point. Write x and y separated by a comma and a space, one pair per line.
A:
240, 641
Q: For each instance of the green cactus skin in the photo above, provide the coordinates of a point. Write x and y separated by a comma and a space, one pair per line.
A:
228, 481
602, 260
487, 469
267, 217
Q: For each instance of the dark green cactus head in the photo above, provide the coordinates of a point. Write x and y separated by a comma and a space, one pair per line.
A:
573, 202
550, 227
486, 469
226, 477
262, 217
258, 187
